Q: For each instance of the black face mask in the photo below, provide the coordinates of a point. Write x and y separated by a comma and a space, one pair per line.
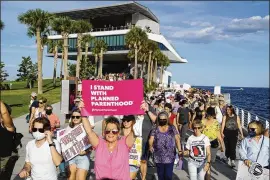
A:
162, 122
49, 112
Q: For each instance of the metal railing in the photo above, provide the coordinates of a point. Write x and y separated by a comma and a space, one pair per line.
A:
246, 117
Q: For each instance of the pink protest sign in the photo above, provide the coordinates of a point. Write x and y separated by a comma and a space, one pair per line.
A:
112, 97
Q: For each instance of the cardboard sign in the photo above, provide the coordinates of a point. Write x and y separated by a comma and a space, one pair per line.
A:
136, 152
112, 98
73, 141
253, 173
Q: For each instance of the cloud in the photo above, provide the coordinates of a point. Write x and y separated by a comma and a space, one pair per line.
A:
249, 25
205, 32
29, 46
23, 46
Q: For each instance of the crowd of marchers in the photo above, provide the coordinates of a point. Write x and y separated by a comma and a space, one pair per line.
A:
163, 128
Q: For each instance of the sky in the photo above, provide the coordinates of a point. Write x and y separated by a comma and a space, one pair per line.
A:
226, 43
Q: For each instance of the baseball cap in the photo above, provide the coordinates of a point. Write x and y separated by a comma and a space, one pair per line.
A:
33, 94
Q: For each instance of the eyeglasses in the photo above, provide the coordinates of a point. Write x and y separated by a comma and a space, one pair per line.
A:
197, 128
40, 102
41, 130
75, 117
126, 120
111, 131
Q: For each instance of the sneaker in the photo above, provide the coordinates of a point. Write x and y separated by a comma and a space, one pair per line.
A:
229, 161
232, 163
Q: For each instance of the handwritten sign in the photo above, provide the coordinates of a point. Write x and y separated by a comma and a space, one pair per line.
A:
256, 172
112, 98
135, 152
73, 141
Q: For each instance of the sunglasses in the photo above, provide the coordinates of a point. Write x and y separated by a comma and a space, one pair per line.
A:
111, 131
197, 128
41, 130
75, 117
163, 119
252, 129
40, 102
126, 120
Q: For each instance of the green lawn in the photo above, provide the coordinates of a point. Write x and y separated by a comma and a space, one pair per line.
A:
19, 96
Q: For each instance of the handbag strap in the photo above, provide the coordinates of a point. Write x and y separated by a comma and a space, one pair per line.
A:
260, 149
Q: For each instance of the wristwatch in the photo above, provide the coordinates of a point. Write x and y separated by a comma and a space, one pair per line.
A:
52, 144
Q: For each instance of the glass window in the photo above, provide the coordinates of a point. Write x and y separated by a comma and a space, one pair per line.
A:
114, 40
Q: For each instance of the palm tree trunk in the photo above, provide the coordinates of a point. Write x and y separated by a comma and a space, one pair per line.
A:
142, 70
55, 65
136, 63
96, 61
38, 35
62, 61
151, 71
148, 69
65, 57
101, 63
79, 49
161, 74
155, 72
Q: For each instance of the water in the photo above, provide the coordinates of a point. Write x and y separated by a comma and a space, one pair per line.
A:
255, 100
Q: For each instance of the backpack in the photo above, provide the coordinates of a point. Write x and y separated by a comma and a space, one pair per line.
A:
17, 141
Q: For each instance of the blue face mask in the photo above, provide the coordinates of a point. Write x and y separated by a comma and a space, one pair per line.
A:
252, 133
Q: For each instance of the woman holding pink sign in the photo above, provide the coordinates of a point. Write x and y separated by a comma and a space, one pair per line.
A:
112, 151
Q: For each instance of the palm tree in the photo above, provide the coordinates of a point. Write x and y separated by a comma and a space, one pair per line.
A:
53, 46
63, 25
134, 40
151, 46
165, 62
95, 52
100, 46
157, 57
2, 25
86, 39
80, 27
37, 20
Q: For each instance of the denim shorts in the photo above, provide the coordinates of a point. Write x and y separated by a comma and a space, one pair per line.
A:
133, 168
82, 162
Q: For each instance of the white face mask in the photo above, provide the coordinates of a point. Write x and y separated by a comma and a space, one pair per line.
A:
38, 136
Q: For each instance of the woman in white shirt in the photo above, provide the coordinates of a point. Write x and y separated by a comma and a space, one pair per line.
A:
42, 153
198, 150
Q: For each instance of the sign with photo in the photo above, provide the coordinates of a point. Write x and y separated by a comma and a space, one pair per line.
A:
73, 141
136, 152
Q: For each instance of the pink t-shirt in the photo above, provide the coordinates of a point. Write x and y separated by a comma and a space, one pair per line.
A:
113, 165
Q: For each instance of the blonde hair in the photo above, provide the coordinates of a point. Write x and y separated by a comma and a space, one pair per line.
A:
259, 126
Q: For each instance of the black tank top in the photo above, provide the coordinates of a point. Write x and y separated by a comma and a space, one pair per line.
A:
6, 141
231, 123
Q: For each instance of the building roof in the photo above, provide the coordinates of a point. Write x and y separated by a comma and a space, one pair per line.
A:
118, 9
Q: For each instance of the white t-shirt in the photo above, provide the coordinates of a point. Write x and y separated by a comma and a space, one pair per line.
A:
42, 166
197, 146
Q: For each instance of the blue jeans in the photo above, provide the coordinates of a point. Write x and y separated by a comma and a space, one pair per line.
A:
165, 171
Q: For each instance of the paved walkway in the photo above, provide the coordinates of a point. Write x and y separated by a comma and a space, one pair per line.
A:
220, 171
